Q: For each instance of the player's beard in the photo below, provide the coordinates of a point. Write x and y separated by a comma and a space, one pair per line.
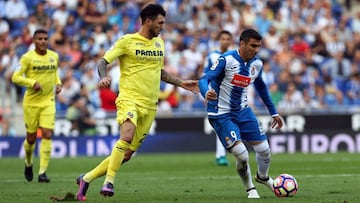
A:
154, 32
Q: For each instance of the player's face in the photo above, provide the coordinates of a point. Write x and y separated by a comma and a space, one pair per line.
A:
250, 48
157, 26
41, 42
225, 41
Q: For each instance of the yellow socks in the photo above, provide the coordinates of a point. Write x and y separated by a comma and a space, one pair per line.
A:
98, 171
116, 158
29, 151
45, 154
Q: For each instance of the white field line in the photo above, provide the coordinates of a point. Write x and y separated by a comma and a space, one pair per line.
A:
185, 177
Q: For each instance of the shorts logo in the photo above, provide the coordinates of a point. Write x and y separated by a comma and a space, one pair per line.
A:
241, 80
130, 114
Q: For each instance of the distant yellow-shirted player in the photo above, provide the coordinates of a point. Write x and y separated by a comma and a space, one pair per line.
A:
37, 72
141, 57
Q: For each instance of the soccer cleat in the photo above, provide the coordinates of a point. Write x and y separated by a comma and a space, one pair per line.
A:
107, 190
222, 161
266, 181
29, 175
83, 187
252, 193
43, 178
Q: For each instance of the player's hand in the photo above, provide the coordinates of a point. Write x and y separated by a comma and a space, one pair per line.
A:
191, 85
104, 82
58, 89
37, 87
277, 122
211, 95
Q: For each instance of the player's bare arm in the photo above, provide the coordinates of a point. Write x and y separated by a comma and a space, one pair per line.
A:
58, 88
191, 85
105, 80
37, 87
277, 122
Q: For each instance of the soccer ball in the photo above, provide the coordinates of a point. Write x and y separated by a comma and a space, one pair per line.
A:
285, 185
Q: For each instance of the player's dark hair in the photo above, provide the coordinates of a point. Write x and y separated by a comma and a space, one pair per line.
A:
248, 34
40, 31
151, 11
223, 32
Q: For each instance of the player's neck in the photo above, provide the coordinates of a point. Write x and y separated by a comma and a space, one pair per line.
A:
40, 52
145, 33
241, 55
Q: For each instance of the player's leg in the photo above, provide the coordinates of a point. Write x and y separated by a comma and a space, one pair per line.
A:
46, 123
229, 134
127, 131
220, 153
31, 122
144, 119
262, 151
252, 132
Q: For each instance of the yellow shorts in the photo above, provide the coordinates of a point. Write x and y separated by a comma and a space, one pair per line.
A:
36, 116
141, 117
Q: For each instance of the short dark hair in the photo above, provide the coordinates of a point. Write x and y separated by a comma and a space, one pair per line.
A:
151, 11
248, 34
224, 32
40, 31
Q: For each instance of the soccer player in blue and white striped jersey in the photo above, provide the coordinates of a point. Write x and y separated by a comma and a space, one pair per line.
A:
229, 112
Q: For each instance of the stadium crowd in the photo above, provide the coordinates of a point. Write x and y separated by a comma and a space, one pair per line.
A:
311, 48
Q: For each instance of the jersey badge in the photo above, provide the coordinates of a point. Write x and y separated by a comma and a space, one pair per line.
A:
241, 80
213, 67
157, 44
130, 114
252, 70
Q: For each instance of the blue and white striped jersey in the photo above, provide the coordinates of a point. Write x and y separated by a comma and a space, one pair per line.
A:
230, 77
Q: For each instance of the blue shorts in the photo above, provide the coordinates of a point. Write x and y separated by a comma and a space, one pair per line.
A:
235, 126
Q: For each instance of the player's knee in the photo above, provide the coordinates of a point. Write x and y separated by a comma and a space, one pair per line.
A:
127, 156
240, 152
242, 157
262, 149
47, 133
31, 138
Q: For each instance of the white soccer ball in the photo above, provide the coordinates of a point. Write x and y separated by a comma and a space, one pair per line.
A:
285, 185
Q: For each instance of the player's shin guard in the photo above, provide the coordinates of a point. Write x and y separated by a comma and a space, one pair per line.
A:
262, 158
45, 154
29, 151
242, 164
116, 158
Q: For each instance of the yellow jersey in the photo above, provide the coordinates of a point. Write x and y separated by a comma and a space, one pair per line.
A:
42, 69
141, 61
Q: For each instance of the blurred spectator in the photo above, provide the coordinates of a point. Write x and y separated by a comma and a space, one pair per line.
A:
292, 99
4, 125
17, 12
61, 14
352, 89
78, 114
107, 99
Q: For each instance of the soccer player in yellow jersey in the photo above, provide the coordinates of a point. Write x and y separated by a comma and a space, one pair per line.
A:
37, 72
141, 57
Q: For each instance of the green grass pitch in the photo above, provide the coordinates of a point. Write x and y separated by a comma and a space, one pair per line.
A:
188, 178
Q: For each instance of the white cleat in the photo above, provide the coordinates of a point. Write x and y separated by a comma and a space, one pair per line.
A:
253, 194
267, 181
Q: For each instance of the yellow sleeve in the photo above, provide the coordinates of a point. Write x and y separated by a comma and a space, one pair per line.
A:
119, 48
18, 76
58, 80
